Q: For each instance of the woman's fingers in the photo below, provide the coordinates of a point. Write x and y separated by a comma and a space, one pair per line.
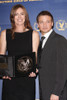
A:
6, 77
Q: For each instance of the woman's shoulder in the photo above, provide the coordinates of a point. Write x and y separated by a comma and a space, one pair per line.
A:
35, 33
36, 36
3, 33
8, 30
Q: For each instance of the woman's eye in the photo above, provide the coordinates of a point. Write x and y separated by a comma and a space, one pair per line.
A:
41, 22
16, 14
22, 13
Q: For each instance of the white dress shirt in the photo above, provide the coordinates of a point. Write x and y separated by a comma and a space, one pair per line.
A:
46, 37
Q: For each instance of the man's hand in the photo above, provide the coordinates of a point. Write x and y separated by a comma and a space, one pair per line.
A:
54, 97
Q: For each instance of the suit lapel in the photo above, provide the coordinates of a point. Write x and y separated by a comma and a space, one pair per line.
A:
46, 46
48, 41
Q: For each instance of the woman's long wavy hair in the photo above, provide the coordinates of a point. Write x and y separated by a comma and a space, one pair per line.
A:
12, 15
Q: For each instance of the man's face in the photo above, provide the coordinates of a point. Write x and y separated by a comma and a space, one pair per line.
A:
45, 24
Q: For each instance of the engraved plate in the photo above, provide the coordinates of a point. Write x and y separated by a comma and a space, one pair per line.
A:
24, 64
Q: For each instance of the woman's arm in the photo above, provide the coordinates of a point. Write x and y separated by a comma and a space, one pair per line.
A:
3, 47
3, 42
35, 42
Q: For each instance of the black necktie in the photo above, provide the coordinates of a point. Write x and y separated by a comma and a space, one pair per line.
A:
40, 47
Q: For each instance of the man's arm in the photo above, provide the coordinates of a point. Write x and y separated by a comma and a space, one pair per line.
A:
61, 69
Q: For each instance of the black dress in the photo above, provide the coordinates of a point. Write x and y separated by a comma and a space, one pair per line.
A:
19, 88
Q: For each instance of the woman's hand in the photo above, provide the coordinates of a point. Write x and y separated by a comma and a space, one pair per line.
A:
32, 74
6, 77
37, 70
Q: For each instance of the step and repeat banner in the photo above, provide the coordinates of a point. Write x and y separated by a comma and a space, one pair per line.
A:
58, 8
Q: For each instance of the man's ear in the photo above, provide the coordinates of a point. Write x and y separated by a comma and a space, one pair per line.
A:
52, 24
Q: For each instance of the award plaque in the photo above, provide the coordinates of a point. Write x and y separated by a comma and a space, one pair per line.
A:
17, 66
6, 66
24, 64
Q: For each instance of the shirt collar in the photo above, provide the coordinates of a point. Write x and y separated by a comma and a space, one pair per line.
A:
47, 34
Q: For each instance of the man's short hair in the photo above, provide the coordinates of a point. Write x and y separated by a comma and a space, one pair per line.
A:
45, 13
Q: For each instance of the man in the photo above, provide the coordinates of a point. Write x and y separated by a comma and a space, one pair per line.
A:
52, 60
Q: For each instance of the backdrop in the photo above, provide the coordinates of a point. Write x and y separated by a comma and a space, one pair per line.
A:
58, 8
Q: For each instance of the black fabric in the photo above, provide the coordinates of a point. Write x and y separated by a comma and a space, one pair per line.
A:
17, 66
25, 64
53, 70
19, 88
6, 66
41, 41
40, 47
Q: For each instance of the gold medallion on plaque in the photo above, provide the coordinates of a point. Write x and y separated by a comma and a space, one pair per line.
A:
24, 64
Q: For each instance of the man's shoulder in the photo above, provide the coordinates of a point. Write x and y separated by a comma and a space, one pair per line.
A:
59, 36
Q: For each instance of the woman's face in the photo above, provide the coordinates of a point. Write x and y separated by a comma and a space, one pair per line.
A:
19, 17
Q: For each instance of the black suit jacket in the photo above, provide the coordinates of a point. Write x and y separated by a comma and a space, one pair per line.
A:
53, 67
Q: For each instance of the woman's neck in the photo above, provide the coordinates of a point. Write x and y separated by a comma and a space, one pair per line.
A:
20, 29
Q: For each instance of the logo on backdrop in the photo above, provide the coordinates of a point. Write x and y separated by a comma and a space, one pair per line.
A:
10, 1
0, 28
61, 25
36, 27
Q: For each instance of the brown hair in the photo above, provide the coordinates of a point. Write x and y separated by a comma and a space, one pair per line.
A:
45, 13
12, 14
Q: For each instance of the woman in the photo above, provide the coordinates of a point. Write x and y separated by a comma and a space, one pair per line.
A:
18, 40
